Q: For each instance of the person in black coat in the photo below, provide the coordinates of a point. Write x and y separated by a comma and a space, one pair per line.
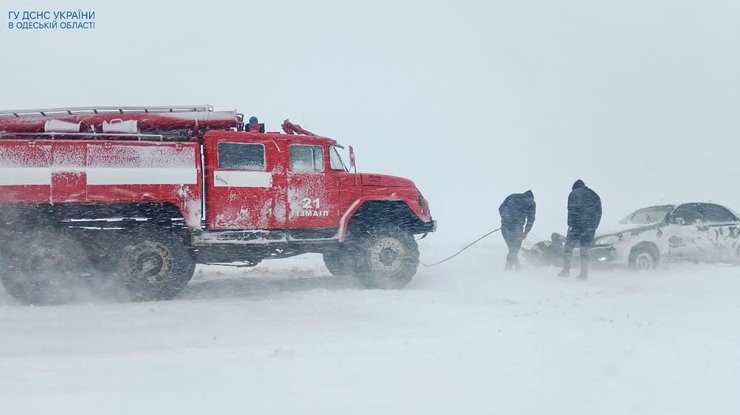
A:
584, 216
517, 217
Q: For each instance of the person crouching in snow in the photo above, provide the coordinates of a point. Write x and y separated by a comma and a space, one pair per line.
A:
517, 217
546, 252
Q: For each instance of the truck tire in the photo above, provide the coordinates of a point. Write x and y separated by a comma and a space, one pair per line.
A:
386, 259
643, 257
338, 262
155, 264
45, 267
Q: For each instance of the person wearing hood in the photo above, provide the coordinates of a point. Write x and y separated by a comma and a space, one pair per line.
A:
584, 216
517, 217
254, 125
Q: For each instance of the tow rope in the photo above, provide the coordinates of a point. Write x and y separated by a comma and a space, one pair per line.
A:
460, 251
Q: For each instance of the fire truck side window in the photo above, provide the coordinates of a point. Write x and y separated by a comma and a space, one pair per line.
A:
306, 158
241, 156
335, 160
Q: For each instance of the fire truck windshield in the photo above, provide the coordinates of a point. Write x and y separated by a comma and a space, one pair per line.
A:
336, 159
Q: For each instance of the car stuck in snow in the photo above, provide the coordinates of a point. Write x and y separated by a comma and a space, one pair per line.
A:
698, 232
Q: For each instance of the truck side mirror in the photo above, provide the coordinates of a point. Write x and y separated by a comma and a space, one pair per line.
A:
352, 164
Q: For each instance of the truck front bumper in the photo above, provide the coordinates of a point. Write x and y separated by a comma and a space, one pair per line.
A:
427, 227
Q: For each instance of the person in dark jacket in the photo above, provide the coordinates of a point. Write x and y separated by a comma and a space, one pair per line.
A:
547, 252
584, 216
517, 217
254, 125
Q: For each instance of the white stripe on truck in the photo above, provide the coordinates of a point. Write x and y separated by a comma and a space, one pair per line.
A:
25, 176
231, 178
140, 175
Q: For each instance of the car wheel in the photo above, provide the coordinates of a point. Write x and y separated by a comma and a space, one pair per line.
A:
643, 258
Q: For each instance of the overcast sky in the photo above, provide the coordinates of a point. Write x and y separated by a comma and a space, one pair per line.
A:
471, 99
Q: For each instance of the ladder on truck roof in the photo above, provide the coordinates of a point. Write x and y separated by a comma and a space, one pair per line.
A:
55, 112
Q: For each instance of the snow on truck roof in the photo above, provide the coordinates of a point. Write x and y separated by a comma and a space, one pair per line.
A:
163, 117
131, 122
51, 112
275, 135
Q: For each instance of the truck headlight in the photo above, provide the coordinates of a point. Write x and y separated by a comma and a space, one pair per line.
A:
607, 240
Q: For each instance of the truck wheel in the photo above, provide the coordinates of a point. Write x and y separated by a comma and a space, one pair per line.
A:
338, 262
43, 268
387, 259
643, 258
155, 264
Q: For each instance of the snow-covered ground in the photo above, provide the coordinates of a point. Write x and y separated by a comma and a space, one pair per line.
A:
464, 337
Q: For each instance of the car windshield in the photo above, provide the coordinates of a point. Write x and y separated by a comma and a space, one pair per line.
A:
734, 213
648, 215
336, 159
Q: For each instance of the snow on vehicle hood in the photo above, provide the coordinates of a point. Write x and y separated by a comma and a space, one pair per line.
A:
370, 179
628, 227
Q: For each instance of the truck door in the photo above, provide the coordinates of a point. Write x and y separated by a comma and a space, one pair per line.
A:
239, 182
313, 188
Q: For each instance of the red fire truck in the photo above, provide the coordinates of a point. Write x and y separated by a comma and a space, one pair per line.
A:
134, 197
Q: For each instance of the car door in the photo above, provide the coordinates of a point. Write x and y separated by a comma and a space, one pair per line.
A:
239, 183
720, 233
684, 231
